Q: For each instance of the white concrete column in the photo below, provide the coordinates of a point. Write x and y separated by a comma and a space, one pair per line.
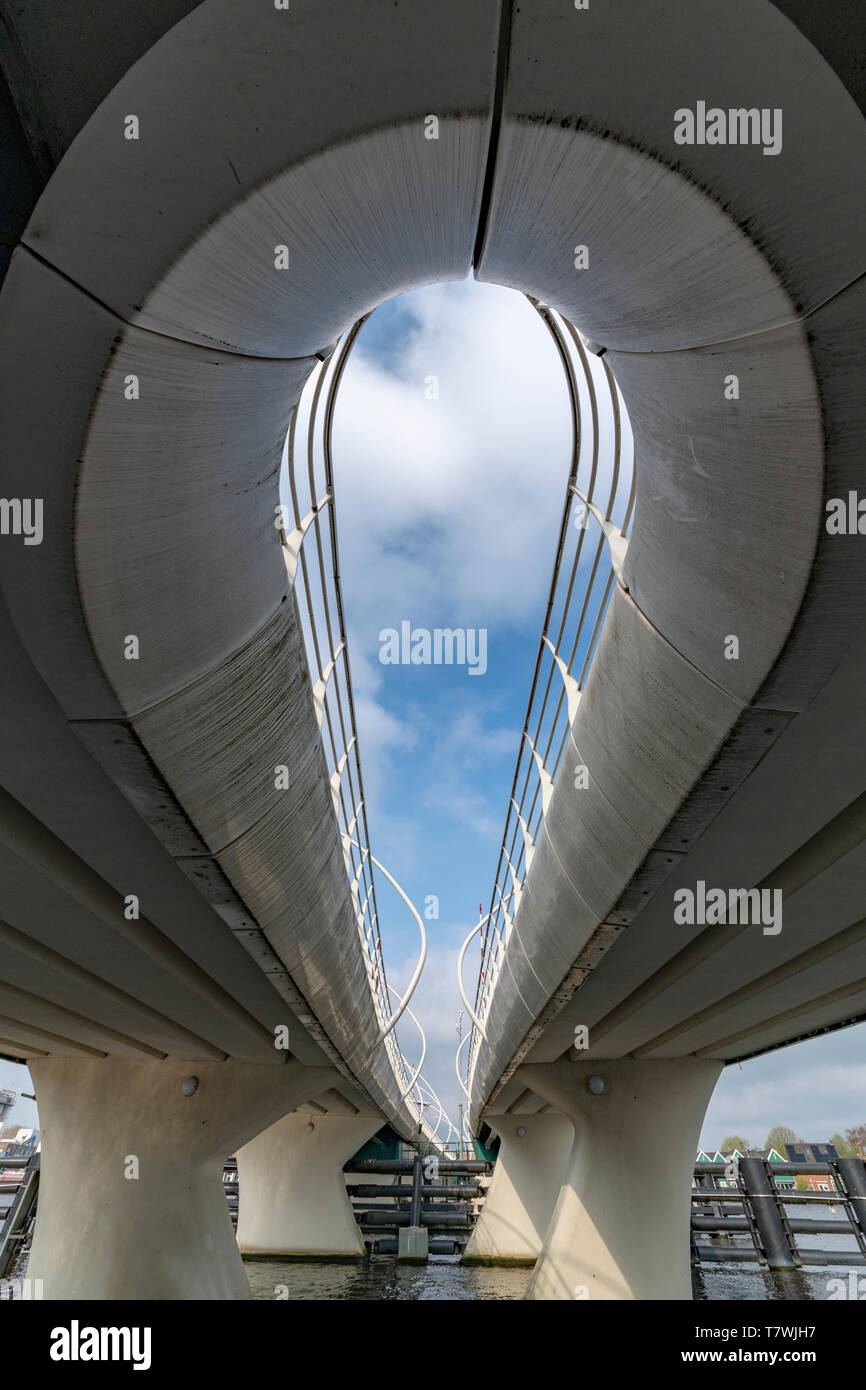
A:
131, 1200
620, 1228
293, 1200
533, 1155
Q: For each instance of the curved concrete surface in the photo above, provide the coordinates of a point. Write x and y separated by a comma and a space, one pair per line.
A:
131, 1190
592, 1249
531, 1163
293, 1198
218, 624
155, 257
729, 535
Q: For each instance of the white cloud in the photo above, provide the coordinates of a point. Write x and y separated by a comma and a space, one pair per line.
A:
816, 1087
436, 1003
448, 508
475, 743
448, 514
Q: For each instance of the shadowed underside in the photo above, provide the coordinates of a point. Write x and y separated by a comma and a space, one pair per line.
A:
156, 258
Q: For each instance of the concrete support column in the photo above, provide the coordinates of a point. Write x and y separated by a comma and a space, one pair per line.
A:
620, 1228
131, 1201
533, 1155
293, 1200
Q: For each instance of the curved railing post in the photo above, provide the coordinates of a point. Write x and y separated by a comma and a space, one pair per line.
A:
468, 1007
318, 594
602, 481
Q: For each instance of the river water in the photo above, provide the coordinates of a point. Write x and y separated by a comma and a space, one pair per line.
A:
381, 1278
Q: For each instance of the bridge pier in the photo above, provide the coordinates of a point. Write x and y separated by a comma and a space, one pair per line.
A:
292, 1190
620, 1228
131, 1202
533, 1155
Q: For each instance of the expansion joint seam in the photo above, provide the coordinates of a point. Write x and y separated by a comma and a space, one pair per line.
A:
503, 52
224, 348
788, 322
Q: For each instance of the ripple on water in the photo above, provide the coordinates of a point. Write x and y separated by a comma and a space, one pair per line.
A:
381, 1278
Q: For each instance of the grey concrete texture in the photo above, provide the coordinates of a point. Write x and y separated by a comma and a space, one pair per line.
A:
608, 1238
815, 918
292, 1197
549, 903
831, 620
589, 836
274, 105
304, 133
44, 320
647, 725
667, 268
734, 487
412, 1245
806, 777
530, 1166
47, 95
224, 734
55, 96
162, 1230
60, 864
693, 274
187, 473
649, 722
238, 692
294, 867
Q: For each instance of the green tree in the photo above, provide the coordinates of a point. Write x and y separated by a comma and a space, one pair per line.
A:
780, 1137
842, 1147
857, 1138
735, 1141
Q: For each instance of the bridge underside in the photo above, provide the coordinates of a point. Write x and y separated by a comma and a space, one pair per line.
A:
157, 257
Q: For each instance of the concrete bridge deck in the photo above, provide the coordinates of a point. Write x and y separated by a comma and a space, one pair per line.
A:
206, 198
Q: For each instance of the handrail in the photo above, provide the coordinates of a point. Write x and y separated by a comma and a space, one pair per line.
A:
404, 1001
322, 684
468, 1007
412, 1083
310, 552
292, 543
434, 1099
602, 482
572, 690
617, 542
460, 1047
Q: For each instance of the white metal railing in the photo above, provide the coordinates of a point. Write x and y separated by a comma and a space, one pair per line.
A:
593, 539
308, 533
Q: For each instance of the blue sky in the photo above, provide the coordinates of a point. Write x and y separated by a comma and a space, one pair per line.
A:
448, 511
